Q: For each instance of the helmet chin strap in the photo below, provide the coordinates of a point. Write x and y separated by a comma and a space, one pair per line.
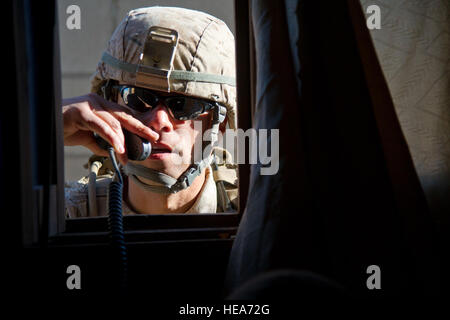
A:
167, 184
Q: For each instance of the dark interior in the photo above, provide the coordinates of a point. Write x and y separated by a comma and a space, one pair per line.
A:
346, 195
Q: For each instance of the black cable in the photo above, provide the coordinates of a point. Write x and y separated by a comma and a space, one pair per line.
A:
115, 223
118, 175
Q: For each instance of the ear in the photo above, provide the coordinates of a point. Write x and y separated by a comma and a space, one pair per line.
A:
222, 126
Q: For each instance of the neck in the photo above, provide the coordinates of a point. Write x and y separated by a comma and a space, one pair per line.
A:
146, 202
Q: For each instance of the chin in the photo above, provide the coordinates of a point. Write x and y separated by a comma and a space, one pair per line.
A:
166, 165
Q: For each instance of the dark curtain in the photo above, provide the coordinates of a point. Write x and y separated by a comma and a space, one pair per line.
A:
346, 195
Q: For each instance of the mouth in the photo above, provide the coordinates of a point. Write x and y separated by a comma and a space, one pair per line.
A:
160, 149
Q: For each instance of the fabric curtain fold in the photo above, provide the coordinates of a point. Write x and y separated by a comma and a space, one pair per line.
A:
339, 202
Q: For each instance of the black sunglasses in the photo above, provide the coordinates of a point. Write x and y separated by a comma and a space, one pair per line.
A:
180, 107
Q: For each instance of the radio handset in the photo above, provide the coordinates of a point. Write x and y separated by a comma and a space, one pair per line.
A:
137, 148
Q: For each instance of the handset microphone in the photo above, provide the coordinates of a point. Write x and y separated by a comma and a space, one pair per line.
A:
137, 148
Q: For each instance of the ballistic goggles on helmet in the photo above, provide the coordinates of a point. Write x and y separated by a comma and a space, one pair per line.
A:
179, 107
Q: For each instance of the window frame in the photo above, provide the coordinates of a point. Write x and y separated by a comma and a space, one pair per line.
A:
140, 228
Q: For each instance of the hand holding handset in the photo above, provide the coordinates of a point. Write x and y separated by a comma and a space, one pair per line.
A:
137, 148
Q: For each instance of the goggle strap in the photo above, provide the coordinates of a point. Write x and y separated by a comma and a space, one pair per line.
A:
174, 75
202, 77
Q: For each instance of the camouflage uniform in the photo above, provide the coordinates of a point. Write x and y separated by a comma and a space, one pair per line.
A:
211, 199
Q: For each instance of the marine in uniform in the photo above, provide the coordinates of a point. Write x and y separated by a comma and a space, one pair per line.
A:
163, 69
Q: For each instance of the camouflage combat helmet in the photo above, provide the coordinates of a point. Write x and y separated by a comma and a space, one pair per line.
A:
203, 62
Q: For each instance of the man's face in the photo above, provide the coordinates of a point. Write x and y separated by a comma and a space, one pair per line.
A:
173, 153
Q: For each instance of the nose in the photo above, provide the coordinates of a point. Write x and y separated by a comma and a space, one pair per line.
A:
160, 119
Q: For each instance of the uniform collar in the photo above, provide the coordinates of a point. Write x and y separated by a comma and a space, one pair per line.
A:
206, 201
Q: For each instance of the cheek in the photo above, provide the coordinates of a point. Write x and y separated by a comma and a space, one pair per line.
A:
189, 140
184, 137
199, 128
189, 134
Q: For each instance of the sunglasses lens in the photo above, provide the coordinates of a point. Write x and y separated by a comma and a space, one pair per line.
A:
137, 104
185, 108
150, 98
138, 99
181, 108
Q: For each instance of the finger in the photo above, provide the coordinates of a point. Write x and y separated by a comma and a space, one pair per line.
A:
113, 123
130, 123
123, 159
136, 126
85, 139
98, 125
92, 145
